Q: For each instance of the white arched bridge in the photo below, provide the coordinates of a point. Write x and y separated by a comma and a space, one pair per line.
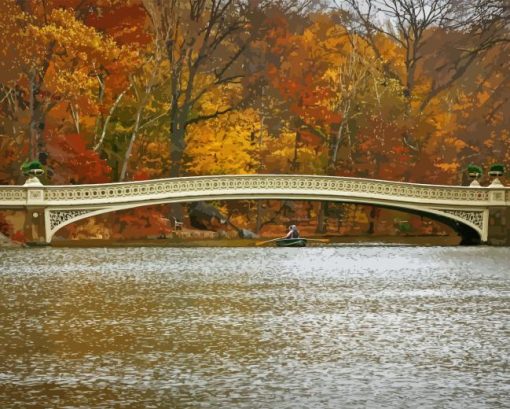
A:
479, 214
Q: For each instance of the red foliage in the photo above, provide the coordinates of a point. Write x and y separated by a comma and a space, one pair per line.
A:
5, 227
141, 174
305, 99
141, 223
309, 137
12, 156
72, 162
18, 237
382, 152
126, 23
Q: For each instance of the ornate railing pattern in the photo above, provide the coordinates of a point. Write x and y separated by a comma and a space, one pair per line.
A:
473, 216
99, 193
14, 194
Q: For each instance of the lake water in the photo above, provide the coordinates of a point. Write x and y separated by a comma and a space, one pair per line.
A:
317, 327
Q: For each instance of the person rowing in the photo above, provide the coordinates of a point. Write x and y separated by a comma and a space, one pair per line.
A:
293, 232
292, 239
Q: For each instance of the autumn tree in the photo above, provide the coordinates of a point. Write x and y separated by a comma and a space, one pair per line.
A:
437, 41
197, 39
55, 65
204, 42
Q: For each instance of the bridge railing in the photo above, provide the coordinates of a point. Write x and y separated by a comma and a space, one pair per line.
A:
13, 196
241, 184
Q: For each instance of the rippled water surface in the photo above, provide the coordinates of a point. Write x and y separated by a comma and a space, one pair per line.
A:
330, 327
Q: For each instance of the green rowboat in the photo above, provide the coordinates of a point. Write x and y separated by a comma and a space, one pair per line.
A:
291, 242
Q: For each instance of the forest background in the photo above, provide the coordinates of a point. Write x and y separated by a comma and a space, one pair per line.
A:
118, 90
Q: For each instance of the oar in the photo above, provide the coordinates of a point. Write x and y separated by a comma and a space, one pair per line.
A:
321, 240
259, 243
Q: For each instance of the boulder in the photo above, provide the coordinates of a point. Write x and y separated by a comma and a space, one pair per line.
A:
203, 215
7, 242
247, 234
207, 217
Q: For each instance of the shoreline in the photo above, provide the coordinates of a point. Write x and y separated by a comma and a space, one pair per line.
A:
342, 240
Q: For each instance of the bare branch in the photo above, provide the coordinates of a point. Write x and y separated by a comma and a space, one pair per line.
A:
200, 118
110, 114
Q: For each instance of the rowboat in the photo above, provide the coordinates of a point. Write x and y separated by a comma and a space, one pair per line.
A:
291, 242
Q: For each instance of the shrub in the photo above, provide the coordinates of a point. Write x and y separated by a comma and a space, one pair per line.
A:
28, 166
497, 167
474, 169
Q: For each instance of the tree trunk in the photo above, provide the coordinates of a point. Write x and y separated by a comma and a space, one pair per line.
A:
108, 118
38, 109
177, 145
37, 125
259, 217
321, 218
33, 130
372, 219
294, 165
134, 134
177, 137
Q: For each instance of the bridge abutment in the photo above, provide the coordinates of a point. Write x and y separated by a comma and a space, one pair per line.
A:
499, 226
35, 226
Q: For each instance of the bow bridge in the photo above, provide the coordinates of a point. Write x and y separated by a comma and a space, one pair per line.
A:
478, 214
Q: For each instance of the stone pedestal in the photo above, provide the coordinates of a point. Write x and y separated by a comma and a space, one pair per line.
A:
35, 223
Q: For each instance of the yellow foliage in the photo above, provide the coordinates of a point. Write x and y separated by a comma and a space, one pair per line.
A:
448, 167
218, 98
151, 155
227, 144
392, 54
77, 53
279, 155
16, 45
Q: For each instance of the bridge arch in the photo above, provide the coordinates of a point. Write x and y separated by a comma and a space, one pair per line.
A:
468, 224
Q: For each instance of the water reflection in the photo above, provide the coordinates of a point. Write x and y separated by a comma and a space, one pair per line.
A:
255, 327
